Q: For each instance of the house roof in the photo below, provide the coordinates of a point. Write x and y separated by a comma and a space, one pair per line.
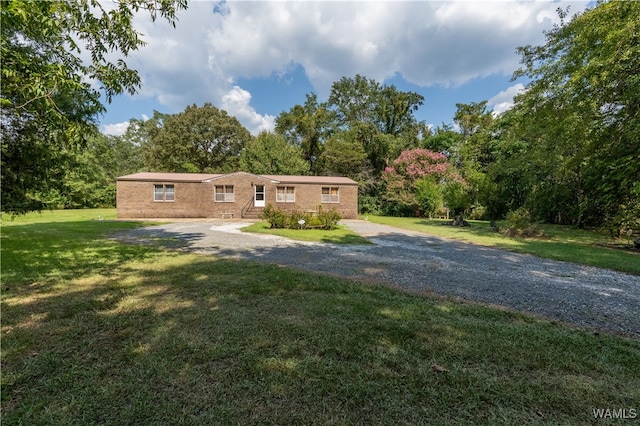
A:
326, 180
202, 177
231, 175
169, 177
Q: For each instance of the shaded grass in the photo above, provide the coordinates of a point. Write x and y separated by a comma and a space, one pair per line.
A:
41, 252
557, 243
147, 336
49, 216
341, 235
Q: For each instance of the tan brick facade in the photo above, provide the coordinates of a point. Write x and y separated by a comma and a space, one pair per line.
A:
194, 195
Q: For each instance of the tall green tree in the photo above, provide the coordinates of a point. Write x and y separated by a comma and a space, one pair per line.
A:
383, 116
581, 115
476, 127
54, 54
355, 100
395, 110
140, 134
443, 139
379, 118
89, 176
344, 155
363, 100
472, 153
270, 154
307, 127
198, 140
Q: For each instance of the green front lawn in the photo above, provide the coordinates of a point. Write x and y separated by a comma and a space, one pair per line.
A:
335, 236
99, 332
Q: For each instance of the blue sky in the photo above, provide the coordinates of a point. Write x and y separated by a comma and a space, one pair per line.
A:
257, 59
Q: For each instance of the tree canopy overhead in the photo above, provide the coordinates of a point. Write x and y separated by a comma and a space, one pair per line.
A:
42, 44
49, 97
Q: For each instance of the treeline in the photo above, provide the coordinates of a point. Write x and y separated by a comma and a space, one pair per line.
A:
568, 152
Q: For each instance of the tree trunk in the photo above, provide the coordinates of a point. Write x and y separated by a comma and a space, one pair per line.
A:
459, 221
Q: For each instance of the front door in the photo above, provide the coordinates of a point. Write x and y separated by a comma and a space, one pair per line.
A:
258, 198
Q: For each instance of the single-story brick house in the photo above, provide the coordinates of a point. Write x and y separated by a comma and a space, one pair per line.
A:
234, 195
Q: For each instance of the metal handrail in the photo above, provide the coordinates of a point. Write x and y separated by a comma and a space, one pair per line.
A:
246, 207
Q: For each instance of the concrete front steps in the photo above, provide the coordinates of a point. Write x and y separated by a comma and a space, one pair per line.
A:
252, 213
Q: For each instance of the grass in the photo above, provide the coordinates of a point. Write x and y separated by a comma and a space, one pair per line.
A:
558, 242
50, 216
99, 332
336, 236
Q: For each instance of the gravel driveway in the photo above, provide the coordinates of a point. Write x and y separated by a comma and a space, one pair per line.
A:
575, 294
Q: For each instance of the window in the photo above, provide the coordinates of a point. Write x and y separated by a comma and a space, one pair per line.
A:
164, 192
285, 194
330, 195
223, 194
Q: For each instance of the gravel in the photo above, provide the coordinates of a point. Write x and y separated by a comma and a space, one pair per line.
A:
578, 295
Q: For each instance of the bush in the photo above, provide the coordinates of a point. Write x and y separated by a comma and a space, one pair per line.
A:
429, 197
293, 219
328, 219
369, 204
519, 224
456, 197
278, 218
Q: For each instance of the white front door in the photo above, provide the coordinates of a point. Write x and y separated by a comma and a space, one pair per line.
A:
258, 198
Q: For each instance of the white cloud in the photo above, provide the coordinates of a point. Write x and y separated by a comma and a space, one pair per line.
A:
237, 103
427, 43
117, 129
447, 43
174, 64
503, 101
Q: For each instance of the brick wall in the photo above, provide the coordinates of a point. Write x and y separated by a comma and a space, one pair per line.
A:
309, 197
243, 192
135, 199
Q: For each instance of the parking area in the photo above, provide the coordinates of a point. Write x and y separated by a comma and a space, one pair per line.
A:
575, 294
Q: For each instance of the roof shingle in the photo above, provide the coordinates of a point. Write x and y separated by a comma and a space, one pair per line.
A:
169, 177
201, 177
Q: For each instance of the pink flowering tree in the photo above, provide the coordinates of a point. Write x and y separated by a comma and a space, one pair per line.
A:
418, 163
414, 184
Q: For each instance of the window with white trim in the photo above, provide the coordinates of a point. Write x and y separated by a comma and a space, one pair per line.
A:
224, 194
164, 192
330, 194
285, 194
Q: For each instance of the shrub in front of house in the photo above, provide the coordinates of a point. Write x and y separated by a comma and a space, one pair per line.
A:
328, 218
276, 217
297, 219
